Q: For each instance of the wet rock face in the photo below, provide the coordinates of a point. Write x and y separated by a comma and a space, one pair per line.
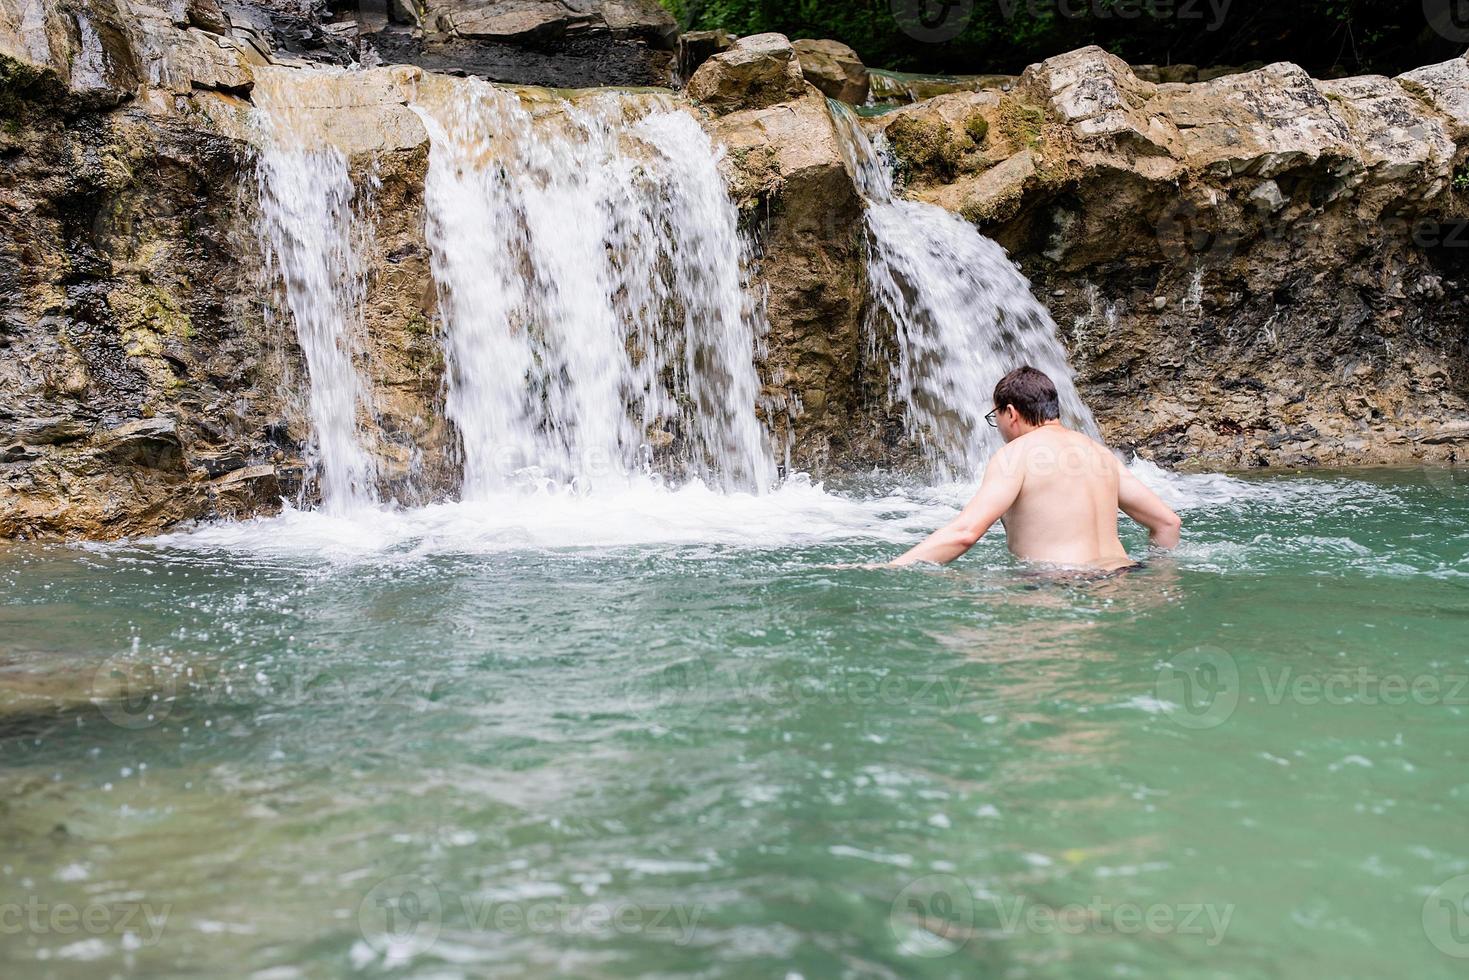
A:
1258, 270
697, 47
139, 383
787, 174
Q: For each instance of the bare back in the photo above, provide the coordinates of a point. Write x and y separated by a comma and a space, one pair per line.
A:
1058, 493
1066, 510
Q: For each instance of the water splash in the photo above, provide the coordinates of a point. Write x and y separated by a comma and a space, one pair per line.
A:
310, 229
590, 274
962, 314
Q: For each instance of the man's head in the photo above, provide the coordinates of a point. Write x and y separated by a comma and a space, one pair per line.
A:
1024, 399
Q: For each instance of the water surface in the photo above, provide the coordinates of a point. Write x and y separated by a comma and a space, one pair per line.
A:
648, 734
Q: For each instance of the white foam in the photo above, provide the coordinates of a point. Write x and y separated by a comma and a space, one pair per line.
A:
695, 520
641, 512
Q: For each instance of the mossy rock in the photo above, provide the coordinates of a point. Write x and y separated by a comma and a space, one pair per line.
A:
23, 87
1020, 123
925, 147
978, 127
146, 315
929, 148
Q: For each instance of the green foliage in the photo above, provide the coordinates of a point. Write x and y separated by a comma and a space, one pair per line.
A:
1327, 37
1460, 182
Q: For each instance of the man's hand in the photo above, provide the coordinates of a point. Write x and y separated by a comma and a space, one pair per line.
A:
997, 491
1145, 507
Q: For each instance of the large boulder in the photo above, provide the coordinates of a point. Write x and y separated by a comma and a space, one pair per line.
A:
550, 20
757, 71
1445, 86
1097, 95
834, 68
106, 52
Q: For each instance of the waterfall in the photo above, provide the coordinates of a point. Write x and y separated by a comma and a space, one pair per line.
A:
591, 284
962, 314
310, 230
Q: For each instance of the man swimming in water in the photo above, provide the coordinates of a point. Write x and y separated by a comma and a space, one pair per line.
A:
1057, 491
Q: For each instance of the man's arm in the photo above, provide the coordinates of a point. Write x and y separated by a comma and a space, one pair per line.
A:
997, 491
1145, 507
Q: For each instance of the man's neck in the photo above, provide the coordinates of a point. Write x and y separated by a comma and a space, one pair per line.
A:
1047, 424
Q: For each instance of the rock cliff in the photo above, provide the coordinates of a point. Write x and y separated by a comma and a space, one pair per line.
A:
1260, 269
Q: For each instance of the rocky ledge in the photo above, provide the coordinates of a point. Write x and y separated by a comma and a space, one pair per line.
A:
1261, 269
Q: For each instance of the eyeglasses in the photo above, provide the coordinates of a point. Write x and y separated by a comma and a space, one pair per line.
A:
990, 418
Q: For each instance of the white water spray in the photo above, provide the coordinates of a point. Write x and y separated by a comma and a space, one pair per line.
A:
963, 315
310, 230
590, 274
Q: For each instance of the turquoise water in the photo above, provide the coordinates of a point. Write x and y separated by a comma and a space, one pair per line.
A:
649, 735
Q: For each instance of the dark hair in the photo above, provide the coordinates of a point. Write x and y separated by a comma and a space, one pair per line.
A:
1031, 392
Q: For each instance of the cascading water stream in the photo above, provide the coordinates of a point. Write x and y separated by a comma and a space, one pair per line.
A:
962, 313
310, 229
590, 274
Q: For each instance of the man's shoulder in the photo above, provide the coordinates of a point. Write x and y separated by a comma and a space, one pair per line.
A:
1045, 450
